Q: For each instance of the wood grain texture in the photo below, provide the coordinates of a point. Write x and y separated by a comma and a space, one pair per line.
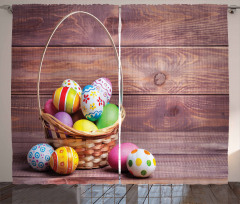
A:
189, 169
29, 194
37, 21
145, 113
155, 193
131, 193
175, 65
164, 143
22, 169
224, 194
235, 187
175, 25
201, 194
189, 70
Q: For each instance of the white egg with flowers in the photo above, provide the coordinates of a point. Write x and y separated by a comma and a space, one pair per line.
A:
141, 163
91, 103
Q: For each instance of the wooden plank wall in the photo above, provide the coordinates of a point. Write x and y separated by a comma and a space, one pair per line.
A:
175, 65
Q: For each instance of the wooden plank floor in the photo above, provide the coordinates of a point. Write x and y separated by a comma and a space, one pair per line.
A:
110, 194
172, 168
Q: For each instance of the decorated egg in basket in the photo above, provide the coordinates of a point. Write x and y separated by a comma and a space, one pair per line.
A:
141, 163
91, 103
39, 156
64, 160
72, 84
104, 86
66, 99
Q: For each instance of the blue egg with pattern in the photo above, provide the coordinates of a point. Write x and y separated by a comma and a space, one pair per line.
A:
39, 156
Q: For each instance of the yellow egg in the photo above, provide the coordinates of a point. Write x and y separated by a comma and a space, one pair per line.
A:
64, 160
85, 125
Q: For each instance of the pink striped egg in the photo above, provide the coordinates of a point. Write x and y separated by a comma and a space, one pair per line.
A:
104, 86
66, 99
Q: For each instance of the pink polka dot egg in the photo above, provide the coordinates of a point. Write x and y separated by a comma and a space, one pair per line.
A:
141, 163
39, 156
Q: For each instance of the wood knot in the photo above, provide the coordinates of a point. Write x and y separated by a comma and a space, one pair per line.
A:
159, 79
111, 24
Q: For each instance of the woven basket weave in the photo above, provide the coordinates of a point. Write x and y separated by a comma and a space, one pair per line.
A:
92, 147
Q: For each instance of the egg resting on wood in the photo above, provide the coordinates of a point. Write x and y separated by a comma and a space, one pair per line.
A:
64, 160
141, 163
39, 156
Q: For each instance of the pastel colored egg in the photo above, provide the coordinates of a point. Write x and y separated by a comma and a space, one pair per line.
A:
85, 125
141, 163
64, 160
104, 86
126, 149
91, 103
39, 156
72, 84
50, 108
65, 118
108, 117
66, 99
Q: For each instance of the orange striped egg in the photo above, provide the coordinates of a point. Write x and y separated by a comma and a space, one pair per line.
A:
66, 99
64, 160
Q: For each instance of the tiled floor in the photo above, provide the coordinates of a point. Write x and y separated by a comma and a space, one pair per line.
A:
110, 194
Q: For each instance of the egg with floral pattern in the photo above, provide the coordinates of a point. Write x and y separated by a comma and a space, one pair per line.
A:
72, 84
39, 156
104, 86
141, 163
91, 103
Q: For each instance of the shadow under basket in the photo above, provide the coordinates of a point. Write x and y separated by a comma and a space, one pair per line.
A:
92, 147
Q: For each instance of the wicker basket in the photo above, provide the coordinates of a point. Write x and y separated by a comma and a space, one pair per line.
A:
93, 147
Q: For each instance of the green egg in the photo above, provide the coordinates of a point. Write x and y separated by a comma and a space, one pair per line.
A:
108, 117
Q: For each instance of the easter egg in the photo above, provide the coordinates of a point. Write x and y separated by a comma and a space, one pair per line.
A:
64, 160
108, 117
91, 103
85, 125
50, 108
141, 163
126, 149
72, 84
66, 99
104, 86
39, 156
65, 118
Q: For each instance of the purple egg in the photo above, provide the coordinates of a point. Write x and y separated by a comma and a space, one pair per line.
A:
65, 118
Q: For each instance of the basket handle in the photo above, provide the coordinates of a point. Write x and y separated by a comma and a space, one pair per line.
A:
120, 78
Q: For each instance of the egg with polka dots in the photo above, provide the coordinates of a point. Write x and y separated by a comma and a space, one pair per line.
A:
141, 163
72, 84
39, 156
